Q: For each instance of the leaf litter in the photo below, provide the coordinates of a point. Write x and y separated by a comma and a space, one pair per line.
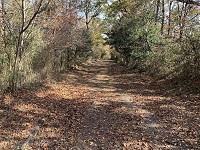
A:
99, 106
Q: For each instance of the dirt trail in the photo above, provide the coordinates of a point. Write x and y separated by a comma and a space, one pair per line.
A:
101, 106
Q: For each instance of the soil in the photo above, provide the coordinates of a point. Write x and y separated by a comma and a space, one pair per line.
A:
100, 106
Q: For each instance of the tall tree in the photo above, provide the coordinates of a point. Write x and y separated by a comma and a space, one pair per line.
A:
157, 2
163, 16
26, 13
91, 9
170, 17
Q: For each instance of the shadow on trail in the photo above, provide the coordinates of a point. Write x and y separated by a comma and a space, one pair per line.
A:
166, 122
119, 109
109, 74
67, 123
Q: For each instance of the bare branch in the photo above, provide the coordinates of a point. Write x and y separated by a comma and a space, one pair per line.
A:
192, 2
38, 11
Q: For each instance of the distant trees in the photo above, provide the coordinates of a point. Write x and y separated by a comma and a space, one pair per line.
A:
91, 9
129, 34
67, 40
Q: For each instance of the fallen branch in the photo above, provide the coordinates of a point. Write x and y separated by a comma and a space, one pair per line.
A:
30, 138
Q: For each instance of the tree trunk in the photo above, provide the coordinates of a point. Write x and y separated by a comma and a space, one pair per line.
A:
183, 20
87, 21
163, 16
182, 16
15, 71
169, 20
68, 59
19, 51
61, 61
157, 11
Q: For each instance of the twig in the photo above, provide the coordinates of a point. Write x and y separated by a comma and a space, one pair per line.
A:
30, 138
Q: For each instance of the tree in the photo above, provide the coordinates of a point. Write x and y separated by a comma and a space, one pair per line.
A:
170, 17
165, 40
66, 37
163, 16
91, 9
16, 26
157, 2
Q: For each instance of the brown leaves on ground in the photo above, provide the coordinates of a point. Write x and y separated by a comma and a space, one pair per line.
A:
99, 106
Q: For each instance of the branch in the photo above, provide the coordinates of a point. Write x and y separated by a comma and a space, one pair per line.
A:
194, 17
192, 2
38, 11
30, 138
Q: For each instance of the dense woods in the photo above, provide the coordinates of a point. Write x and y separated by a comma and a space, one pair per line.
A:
99, 74
39, 37
160, 37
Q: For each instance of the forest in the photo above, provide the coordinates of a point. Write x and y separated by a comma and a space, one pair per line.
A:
40, 38
99, 74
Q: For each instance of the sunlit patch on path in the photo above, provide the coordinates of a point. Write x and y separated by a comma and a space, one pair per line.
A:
99, 106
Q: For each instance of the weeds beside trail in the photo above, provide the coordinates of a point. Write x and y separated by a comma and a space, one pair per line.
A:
99, 106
